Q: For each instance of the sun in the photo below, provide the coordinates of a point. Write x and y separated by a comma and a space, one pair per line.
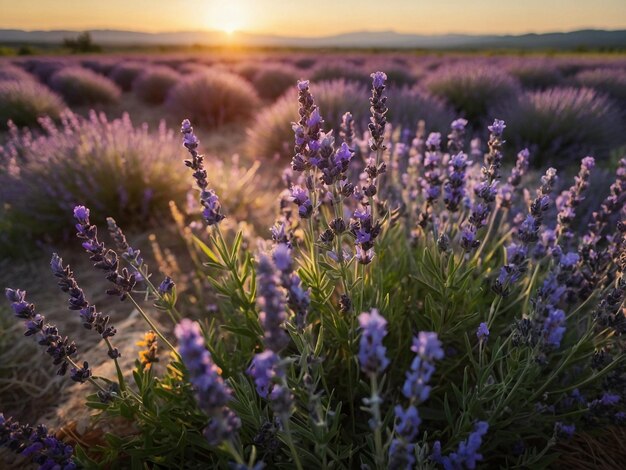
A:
228, 17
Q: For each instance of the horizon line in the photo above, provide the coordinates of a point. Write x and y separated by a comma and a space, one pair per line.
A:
356, 31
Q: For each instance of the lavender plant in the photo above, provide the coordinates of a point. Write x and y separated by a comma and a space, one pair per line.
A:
24, 102
560, 124
213, 98
80, 86
154, 83
413, 309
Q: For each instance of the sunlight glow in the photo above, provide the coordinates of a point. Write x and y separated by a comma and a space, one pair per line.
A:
228, 17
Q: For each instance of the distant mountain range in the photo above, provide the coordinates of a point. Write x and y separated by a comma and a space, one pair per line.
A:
589, 38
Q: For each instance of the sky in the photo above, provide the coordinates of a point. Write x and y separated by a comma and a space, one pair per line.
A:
316, 17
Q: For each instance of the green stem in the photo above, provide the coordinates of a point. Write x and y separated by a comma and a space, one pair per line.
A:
292, 447
375, 407
234, 452
118, 369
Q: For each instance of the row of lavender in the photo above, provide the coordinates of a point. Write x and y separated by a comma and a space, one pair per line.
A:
505, 324
544, 100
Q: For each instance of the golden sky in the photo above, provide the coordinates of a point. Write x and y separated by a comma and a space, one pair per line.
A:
316, 17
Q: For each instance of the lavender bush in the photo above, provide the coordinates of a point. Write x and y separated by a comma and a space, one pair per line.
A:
560, 123
112, 165
611, 81
535, 74
14, 73
471, 88
154, 83
413, 308
80, 86
213, 98
23, 102
43, 68
125, 73
273, 80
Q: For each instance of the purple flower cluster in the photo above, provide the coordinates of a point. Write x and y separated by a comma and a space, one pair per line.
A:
486, 190
456, 137
298, 299
553, 328
300, 197
431, 182
454, 187
271, 302
378, 108
568, 200
59, 348
347, 130
505, 195
102, 257
333, 163
211, 392
467, 454
91, 318
427, 349
365, 232
36, 444
482, 333
372, 353
130, 254
307, 130
269, 377
209, 200
527, 233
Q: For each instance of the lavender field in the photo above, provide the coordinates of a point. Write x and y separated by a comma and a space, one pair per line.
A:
313, 259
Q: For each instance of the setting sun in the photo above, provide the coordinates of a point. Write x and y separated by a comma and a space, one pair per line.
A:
228, 17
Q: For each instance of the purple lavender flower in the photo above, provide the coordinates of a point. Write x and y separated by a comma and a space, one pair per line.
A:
77, 301
211, 392
431, 182
298, 299
487, 189
497, 128
166, 287
564, 430
102, 257
130, 254
456, 137
365, 233
454, 187
505, 195
378, 108
60, 349
427, 348
271, 302
527, 232
553, 329
264, 371
372, 353
569, 200
468, 238
36, 444
482, 333
347, 131
467, 454
300, 197
307, 130
209, 200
